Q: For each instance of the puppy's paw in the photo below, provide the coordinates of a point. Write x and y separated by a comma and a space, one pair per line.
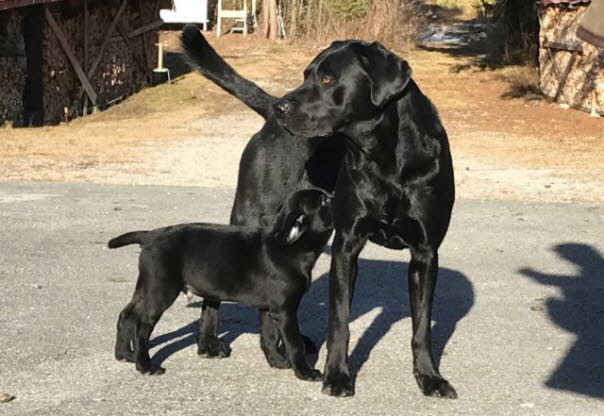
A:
338, 384
278, 361
435, 386
151, 369
310, 375
212, 347
127, 356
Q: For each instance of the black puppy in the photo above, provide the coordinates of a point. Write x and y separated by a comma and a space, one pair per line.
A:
395, 186
270, 269
272, 165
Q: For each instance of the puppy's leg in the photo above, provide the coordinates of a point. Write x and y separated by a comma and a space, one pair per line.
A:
160, 293
270, 342
123, 340
208, 344
125, 328
287, 322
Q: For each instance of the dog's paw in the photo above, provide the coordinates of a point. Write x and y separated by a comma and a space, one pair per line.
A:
435, 386
152, 369
278, 361
213, 348
310, 375
338, 384
127, 356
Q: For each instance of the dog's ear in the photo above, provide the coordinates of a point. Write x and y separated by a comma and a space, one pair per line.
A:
388, 73
289, 228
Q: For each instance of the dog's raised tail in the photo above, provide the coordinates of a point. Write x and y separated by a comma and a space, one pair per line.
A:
204, 58
134, 237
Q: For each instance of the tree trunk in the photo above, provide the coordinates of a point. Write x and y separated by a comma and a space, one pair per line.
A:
269, 19
265, 18
274, 28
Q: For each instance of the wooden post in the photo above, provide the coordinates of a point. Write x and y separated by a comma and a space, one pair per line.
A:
85, 106
86, 86
145, 45
160, 55
86, 34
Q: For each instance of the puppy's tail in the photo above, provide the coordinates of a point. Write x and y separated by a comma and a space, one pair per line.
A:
134, 237
205, 59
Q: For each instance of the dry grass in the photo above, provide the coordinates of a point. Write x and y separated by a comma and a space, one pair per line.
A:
523, 83
392, 22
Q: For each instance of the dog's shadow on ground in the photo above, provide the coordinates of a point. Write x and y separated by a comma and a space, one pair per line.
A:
580, 310
381, 285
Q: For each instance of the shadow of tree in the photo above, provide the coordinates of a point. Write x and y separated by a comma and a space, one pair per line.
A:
580, 310
380, 285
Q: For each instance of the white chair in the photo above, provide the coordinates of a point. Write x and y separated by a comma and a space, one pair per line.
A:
240, 16
187, 11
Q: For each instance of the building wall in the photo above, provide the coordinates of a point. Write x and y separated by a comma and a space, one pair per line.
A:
585, 84
12, 68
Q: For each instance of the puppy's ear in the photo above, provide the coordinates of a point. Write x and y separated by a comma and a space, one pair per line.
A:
388, 73
289, 228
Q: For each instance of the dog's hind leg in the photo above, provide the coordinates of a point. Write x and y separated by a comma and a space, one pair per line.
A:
125, 328
123, 340
423, 270
208, 343
158, 297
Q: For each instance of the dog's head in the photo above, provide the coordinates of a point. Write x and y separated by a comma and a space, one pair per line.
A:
306, 213
350, 81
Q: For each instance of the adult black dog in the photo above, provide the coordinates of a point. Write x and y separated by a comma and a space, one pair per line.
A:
395, 187
268, 268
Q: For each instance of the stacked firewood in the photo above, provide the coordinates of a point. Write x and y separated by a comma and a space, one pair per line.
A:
125, 64
12, 70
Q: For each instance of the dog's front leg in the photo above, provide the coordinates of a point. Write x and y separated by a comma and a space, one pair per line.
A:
287, 321
423, 270
270, 342
342, 276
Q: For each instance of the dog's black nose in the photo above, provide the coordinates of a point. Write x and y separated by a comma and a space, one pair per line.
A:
281, 107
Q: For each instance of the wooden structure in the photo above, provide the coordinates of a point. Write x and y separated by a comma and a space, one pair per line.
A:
60, 59
187, 11
571, 70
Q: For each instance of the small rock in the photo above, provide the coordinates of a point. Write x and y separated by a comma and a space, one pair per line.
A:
117, 209
5, 398
537, 308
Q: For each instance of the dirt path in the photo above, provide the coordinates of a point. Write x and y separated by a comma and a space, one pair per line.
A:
192, 133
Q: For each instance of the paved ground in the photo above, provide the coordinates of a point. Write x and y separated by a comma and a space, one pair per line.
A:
519, 314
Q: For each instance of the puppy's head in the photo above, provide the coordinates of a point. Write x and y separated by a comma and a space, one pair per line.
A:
351, 81
306, 214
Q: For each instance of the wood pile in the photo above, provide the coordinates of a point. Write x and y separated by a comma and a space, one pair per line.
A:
12, 68
584, 82
126, 58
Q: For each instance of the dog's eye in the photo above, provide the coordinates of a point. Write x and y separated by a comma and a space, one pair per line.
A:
325, 80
